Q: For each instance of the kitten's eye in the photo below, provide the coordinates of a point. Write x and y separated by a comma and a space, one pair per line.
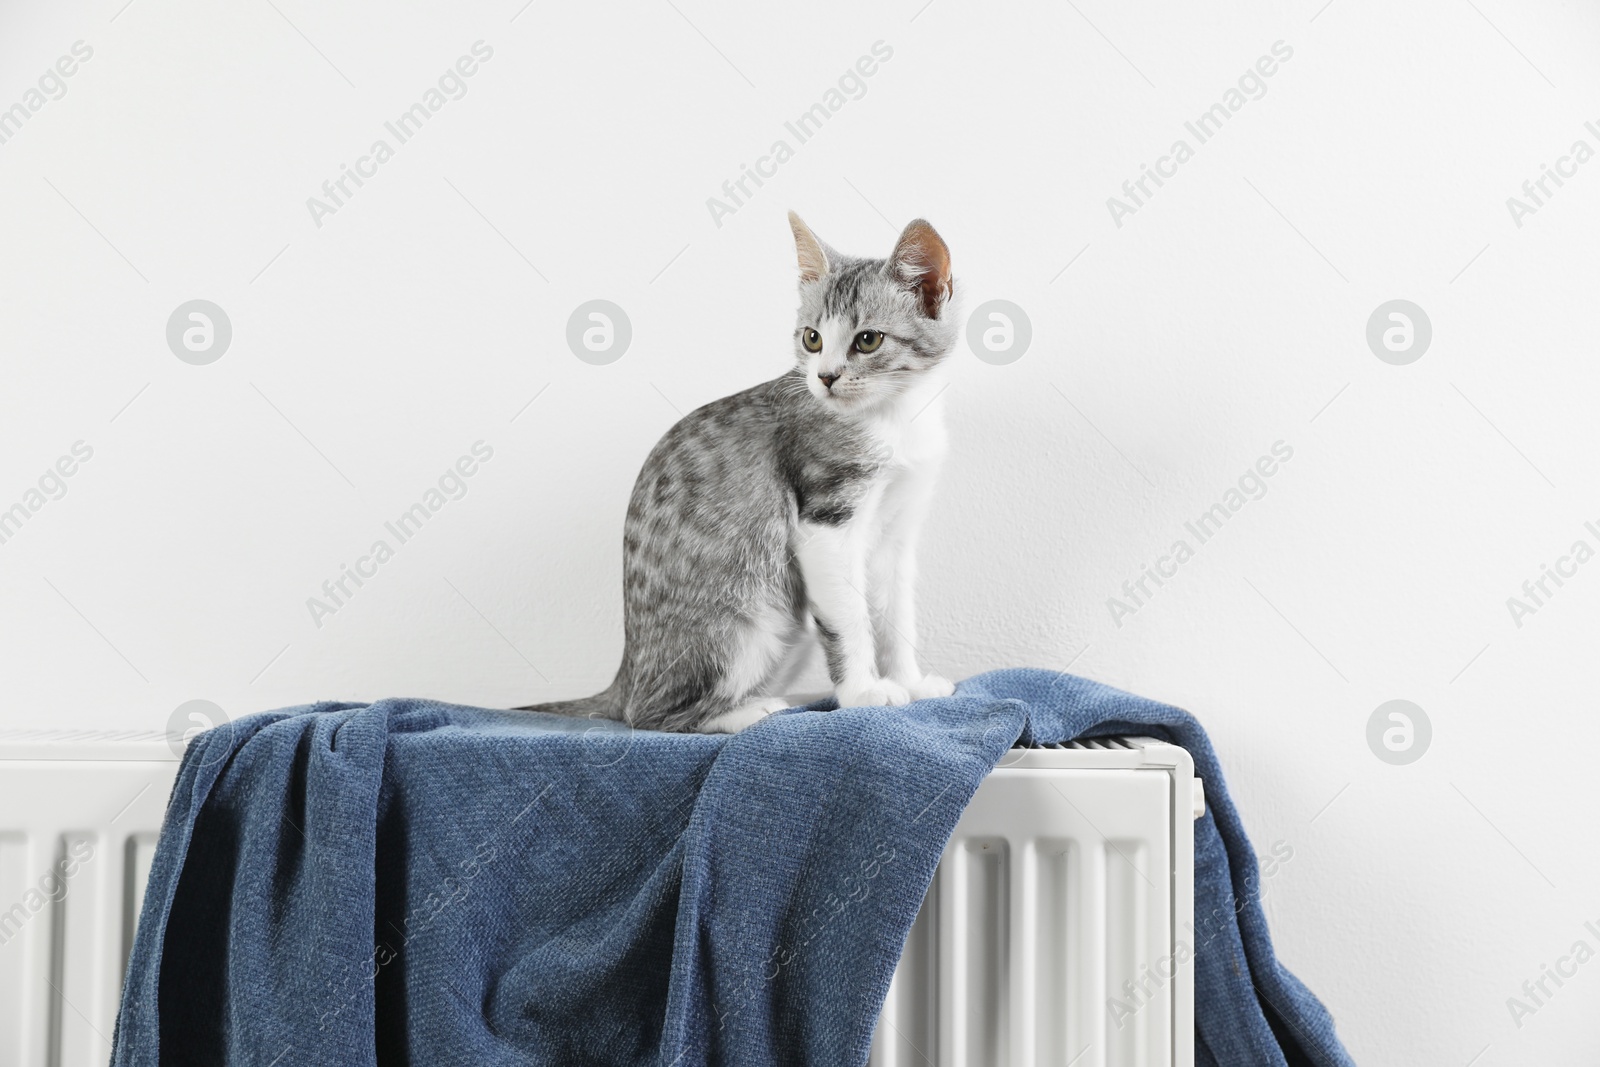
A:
812, 340
868, 341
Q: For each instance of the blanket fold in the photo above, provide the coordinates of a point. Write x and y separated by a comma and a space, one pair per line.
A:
410, 882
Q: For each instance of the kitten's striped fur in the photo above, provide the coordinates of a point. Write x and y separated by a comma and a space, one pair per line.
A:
792, 508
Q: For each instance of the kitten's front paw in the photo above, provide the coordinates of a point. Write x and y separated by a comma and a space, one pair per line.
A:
879, 692
930, 686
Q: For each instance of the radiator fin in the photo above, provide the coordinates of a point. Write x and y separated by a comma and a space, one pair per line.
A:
14, 983
76, 942
976, 1023
1127, 950
1054, 943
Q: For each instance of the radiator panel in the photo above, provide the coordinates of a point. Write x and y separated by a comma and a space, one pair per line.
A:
75, 846
1061, 888
1049, 935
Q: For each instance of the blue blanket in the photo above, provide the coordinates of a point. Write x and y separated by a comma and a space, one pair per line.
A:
410, 882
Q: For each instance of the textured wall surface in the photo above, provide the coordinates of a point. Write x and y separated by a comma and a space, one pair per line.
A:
1335, 157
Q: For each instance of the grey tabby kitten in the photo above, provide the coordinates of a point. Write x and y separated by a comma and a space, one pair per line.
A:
792, 508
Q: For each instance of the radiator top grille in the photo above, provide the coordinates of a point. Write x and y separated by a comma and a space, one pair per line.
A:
1104, 744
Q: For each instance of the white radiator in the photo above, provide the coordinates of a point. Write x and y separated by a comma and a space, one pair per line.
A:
79, 814
1055, 929
1052, 934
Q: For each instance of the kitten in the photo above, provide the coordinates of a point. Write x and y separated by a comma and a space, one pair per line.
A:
793, 508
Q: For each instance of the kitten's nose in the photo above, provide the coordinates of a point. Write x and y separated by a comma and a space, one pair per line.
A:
827, 379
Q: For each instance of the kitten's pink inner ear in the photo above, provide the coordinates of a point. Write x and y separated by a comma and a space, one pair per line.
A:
922, 260
813, 260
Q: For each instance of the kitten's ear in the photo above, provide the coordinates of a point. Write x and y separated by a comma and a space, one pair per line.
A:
922, 261
812, 252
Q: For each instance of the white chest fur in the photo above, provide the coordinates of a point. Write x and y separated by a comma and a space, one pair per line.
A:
911, 434
910, 429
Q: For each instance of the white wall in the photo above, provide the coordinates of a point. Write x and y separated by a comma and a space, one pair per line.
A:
1225, 315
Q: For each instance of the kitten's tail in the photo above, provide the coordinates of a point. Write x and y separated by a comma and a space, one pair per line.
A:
606, 704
